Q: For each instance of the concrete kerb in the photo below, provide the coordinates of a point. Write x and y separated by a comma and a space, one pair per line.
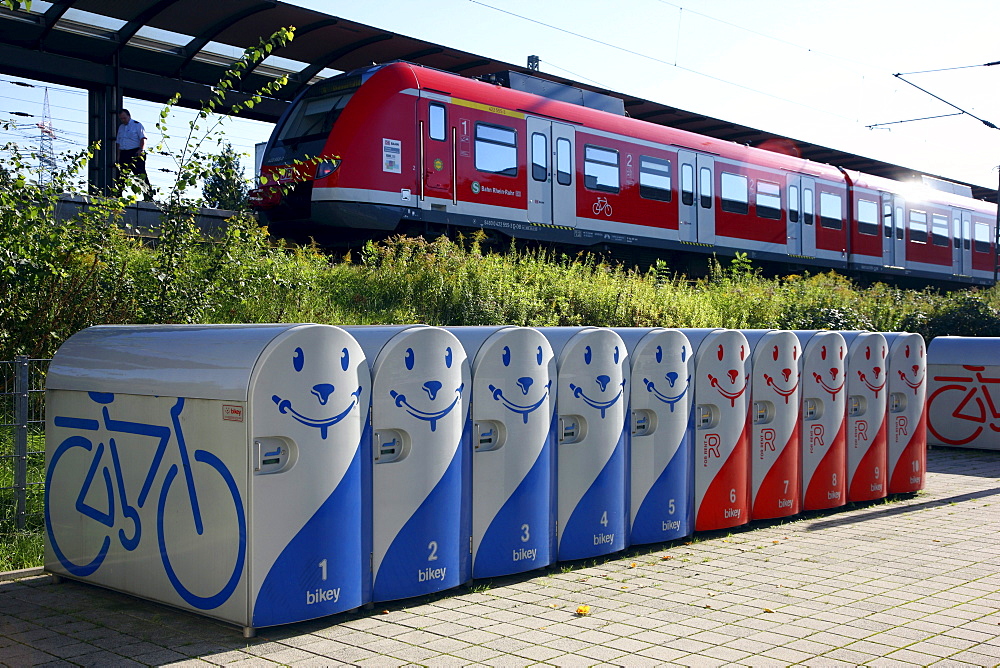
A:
6, 576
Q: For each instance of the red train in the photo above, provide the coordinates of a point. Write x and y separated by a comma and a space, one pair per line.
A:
534, 159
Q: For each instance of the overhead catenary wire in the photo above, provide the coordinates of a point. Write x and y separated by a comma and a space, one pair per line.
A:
911, 120
864, 66
138, 104
29, 130
764, 35
947, 69
575, 74
25, 134
823, 110
950, 104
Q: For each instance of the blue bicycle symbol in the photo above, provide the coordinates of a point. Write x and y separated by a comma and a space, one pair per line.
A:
105, 514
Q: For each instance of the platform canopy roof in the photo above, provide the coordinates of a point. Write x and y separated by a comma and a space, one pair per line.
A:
152, 49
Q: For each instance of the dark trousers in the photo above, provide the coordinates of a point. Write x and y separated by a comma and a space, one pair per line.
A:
133, 161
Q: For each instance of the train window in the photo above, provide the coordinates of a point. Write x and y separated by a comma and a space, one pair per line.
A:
539, 157
793, 204
600, 169
437, 124
314, 115
966, 234
956, 232
687, 184
496, 149
899, 222
830, 211
734, 193
982, 231
564, 162
807, 206
887, 219
939, 230
918, 227
308, 126
654, 178
867, 217
705, 187
768, 200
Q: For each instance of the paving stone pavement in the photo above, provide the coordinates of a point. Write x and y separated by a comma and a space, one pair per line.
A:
911, 581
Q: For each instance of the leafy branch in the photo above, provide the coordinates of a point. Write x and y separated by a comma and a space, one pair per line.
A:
190, 160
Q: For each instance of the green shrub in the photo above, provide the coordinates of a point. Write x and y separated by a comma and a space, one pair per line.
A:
964, 314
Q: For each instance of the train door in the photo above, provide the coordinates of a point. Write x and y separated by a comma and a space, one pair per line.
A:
437, 148
551, 195
697, 206
893, 237
706, 199
887, 231
961, 243
794, 189
807, 229
687, 211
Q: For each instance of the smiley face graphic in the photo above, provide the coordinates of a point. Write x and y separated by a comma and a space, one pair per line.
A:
315, 412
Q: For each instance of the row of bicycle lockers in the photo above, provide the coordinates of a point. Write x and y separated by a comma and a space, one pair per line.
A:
265, 474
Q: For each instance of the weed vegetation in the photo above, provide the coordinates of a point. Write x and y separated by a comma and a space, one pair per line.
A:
60, 277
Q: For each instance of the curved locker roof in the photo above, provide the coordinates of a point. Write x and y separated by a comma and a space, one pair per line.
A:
961, 350
474, 337
633, 336
193, 361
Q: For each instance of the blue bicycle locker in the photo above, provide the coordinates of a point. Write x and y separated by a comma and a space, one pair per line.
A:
513, 440
661, 465
421, 519
215, 468
592, 410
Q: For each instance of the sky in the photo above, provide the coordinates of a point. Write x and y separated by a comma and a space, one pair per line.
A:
820, 71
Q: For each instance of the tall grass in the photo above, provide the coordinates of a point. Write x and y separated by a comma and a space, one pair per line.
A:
21, 548
105, 277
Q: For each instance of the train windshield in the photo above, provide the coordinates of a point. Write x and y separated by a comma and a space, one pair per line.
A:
307, 127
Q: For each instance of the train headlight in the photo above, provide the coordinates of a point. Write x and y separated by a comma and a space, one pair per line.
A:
326, 168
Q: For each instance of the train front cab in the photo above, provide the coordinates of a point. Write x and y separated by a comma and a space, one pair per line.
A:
292, 159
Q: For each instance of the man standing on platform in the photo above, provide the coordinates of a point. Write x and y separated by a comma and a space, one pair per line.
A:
130, 143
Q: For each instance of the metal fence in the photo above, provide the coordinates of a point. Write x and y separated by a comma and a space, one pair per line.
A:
22, 443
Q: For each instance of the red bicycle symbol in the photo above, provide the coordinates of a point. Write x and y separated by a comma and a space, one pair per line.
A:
966, 405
